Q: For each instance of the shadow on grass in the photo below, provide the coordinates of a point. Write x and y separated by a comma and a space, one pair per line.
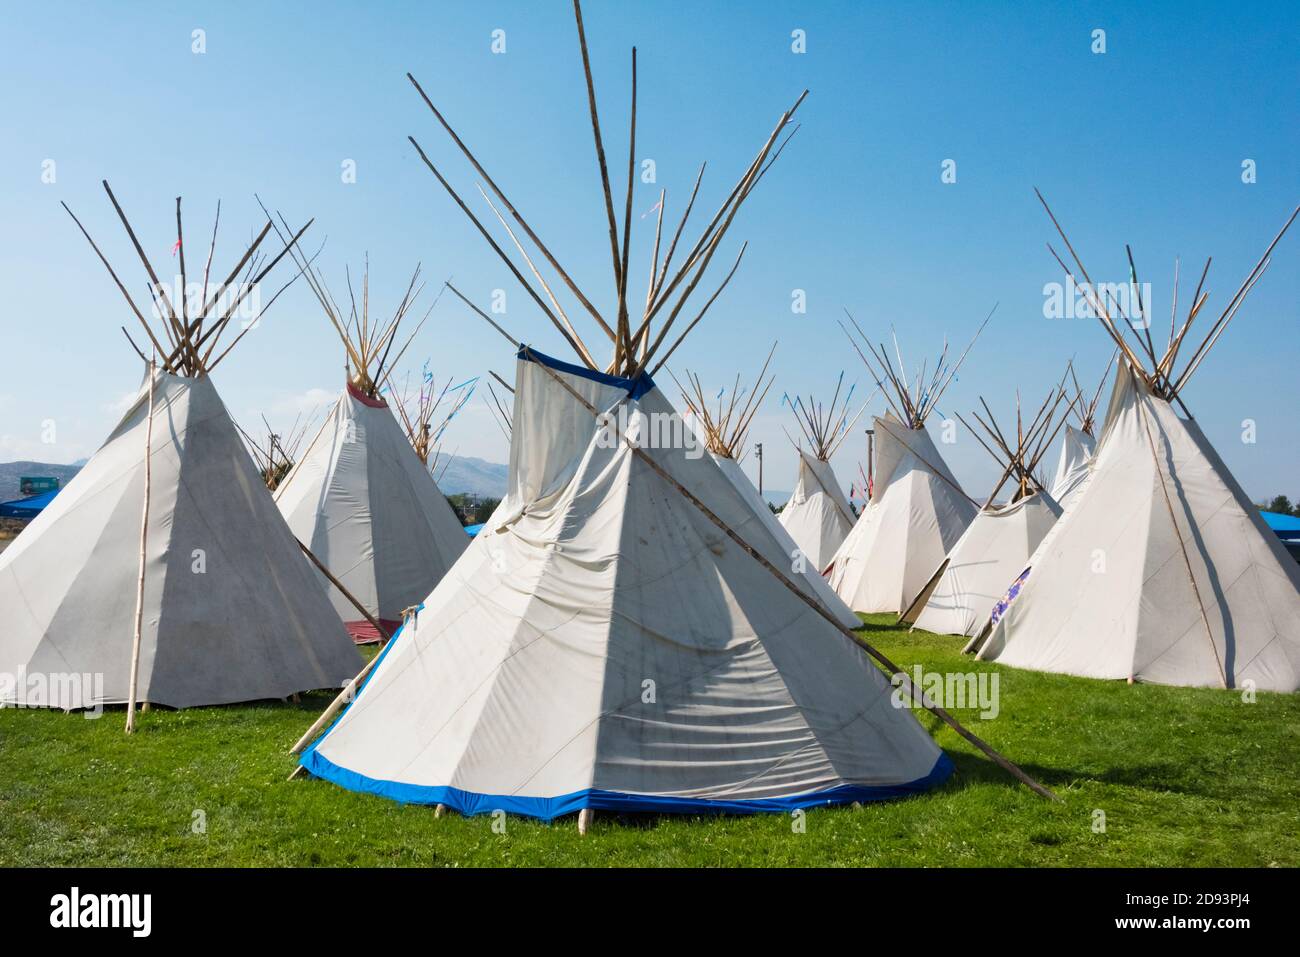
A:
872, 627
971, 770
976, 769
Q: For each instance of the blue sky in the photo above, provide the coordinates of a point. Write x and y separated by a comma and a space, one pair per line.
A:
1142, 144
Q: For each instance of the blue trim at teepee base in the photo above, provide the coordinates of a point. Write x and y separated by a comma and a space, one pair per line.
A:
635, 388
469, 803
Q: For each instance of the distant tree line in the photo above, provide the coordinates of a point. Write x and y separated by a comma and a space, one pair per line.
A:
1282, 506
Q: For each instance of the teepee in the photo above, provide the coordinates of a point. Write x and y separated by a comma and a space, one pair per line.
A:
163, 573
1077, 445
994, 548
818, 514
1161, 569
361, 497
602, 644
724, 428
916, 510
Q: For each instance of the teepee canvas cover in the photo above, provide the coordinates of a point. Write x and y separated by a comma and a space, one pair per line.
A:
1072, 469
1079, 444
915, 514
990, 553
368, 508
1161, 569
723, 430
229, 610
785, 554
817, 516
362, 496
522, 684
916, 510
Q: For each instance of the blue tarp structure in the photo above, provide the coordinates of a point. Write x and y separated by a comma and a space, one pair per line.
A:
472, 530
1286, 527
27, 507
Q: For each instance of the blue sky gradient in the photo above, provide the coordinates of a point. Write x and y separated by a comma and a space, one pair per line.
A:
1142, 144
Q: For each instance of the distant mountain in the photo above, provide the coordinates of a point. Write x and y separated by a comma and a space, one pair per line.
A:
11, 472
465, 474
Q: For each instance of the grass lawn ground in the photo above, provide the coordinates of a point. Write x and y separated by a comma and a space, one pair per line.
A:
1184, 777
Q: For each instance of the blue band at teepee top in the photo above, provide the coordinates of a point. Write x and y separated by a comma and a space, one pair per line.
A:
635, 388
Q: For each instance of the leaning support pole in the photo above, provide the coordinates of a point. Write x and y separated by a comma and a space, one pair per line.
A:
343, 698
1182, 546
139, 582
328, 714
343, 591
917, 694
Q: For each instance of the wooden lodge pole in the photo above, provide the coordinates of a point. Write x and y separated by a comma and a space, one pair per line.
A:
341, 700
343, 591
139, 583
335, 706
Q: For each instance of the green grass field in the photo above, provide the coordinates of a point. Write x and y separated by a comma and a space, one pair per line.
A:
1184, 777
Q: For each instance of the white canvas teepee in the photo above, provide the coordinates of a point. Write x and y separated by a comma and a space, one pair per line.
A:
222, 600
818, 515
961, 593
1077, 449
361, 497
990, 553
603, 644
1161, 570
522, 684
724, 431
370, 511
1078, 445
916, 510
